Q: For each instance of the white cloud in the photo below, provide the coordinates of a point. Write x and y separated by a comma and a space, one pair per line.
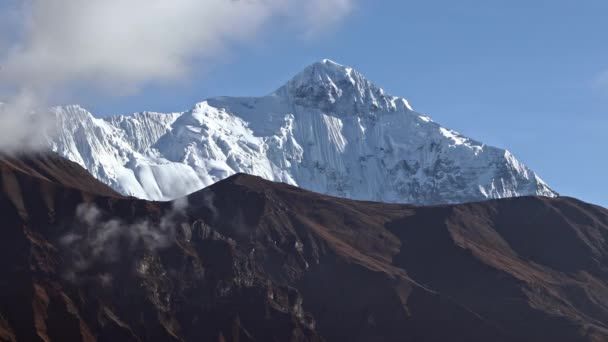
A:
22, 127
131, 42
122, 45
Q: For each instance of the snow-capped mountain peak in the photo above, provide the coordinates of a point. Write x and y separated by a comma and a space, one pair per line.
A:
328, 129
326, 84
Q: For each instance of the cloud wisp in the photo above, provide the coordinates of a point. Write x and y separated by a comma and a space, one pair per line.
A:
601, 81
24, 124
99, 240
128, 43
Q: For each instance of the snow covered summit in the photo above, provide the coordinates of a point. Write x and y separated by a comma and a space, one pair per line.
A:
328, 130
329, 85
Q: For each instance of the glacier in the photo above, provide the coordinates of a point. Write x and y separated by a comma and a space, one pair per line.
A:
329, 130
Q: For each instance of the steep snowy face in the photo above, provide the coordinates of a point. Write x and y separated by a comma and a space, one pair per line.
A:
117, 150
328, 130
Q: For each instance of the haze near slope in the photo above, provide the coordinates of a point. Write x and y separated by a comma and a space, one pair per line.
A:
328, 130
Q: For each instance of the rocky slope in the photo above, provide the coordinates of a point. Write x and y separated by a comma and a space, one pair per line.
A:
251, 260
328, 130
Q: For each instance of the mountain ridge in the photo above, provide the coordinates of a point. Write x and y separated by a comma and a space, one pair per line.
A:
248, 259
328, 129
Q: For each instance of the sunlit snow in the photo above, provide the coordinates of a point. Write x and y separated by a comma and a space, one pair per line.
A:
328, 130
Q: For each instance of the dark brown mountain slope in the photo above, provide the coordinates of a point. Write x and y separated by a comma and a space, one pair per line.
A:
56, 286
53, 169
251, 260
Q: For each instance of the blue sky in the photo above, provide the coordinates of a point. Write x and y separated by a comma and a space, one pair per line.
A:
523, 75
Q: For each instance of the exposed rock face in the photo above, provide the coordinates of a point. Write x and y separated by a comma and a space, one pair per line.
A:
328, 130
248, 259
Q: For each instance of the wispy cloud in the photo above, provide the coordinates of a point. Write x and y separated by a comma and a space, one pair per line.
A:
124, 44
601, 80
319, 15
99, 240
130, 42
24, 125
